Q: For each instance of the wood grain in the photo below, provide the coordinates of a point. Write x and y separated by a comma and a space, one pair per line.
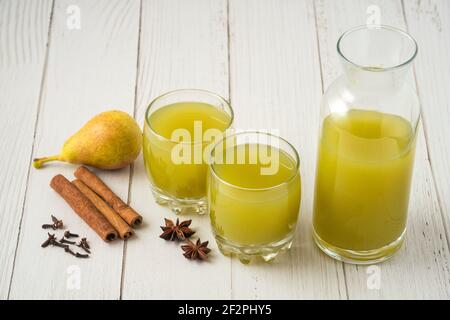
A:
22, 60
183, 45
275, 77
429, 23
272, 59
91, 69
420, 269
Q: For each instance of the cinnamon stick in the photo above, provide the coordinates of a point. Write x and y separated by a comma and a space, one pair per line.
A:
127, 213
112, 216
83, 207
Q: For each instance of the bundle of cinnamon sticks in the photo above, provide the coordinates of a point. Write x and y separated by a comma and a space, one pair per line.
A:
97, 205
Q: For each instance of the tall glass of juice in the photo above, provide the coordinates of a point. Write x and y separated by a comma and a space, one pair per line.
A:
366, 148
254, 193
180, 128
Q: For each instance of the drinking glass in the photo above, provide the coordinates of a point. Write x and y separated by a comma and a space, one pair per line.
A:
254, 194
179, 127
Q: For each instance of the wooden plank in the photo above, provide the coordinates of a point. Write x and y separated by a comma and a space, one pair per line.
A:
22, 60
91, 69
429, 23
183, 45
275, 84
420, 269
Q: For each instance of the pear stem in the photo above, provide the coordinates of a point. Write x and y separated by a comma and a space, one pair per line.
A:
38, 162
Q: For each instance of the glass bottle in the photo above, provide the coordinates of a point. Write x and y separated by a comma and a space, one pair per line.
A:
369, 121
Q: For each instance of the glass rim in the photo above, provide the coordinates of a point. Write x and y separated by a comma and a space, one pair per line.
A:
291, 178
207, 92
377, 27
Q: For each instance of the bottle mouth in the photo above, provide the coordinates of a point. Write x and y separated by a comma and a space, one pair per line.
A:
377, 48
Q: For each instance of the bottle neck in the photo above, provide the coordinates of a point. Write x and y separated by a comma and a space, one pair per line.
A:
375, 79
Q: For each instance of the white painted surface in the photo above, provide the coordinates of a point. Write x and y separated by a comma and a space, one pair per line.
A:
22, 60
179, 49
429, 23
272, 60
88, 71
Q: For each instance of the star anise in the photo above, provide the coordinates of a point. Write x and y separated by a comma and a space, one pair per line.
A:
198, 250
180, 231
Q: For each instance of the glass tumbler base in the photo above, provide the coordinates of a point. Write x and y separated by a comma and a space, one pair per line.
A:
361, 257
180, 206
246, 254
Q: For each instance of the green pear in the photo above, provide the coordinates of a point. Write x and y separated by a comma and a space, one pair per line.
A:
110, 140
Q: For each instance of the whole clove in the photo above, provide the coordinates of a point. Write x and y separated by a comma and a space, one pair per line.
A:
48, 226
67, 234
64, 240
58, 224
76, 254
84, 248
58, 244
68, 250
51, 238
84, 245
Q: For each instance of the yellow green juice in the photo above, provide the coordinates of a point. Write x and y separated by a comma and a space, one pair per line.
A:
177, 167
250, 208
363, 180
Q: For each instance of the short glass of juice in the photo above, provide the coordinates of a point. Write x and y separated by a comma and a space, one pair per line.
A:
365, 160
180, 128
254, 193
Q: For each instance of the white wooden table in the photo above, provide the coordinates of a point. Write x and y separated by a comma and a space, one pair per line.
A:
272, 59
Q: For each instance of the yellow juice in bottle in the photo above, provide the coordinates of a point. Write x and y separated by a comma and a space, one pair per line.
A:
170, 176
250, 208
363, 180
